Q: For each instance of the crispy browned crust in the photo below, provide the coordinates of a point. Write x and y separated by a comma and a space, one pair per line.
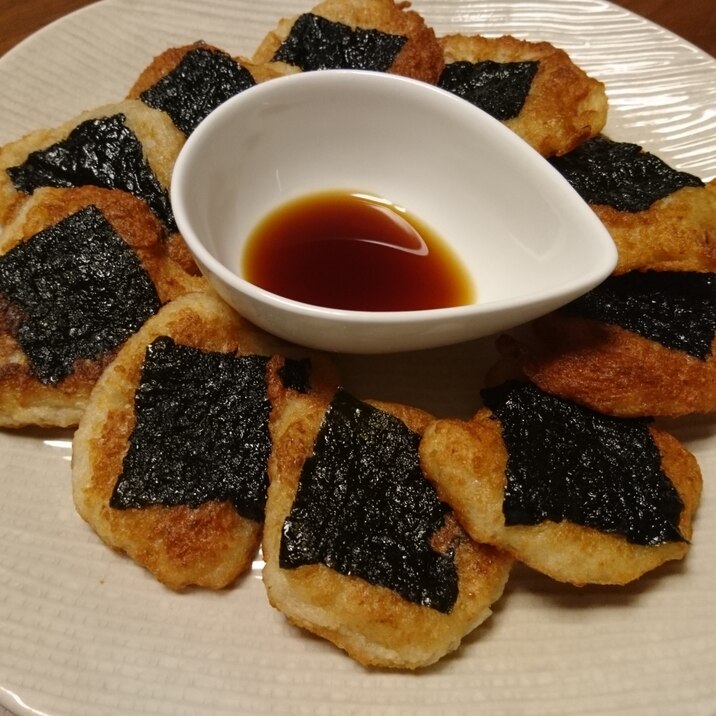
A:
467, 462
420, 58
208, 546
160, 139
613, 370
564, 107
24, 400
374, 625
677, 233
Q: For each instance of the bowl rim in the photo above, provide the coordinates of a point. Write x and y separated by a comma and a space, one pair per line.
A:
602, 267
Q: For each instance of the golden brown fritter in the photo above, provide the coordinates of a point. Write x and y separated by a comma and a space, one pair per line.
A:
200, 86
374, 624
676, 233
25, 399
614, 370
420, 56
209, 545
159, 142
564, 106
468, 460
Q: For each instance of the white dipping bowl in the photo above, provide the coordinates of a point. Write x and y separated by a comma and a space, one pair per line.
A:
524, 235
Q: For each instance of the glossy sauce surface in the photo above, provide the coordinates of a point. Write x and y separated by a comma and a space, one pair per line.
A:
356, 252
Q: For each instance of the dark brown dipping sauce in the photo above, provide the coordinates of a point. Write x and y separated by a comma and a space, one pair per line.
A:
354, 251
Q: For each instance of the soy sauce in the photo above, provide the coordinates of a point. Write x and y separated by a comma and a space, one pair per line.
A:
354, 251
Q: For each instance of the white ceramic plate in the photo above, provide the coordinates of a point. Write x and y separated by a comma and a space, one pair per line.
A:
85, 631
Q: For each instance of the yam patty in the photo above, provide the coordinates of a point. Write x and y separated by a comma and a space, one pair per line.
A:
358, 548
640, 344
660, 219
378, 35
579, 496
534, 88
169, 460
80, 272
190, 81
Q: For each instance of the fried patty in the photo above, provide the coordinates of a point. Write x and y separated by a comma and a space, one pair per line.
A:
469, 461
379, 35
373, 623
676, 233
563, 106
72, 289
190, 81
614, 370
208, 544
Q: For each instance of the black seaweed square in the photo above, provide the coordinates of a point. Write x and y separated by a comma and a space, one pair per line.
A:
81, 292
202, 80
566, 462
364, 507
620, 174
315, 43
674, 308
201, 431
498, 88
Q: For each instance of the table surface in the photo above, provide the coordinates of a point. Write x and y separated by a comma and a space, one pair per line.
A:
694, 20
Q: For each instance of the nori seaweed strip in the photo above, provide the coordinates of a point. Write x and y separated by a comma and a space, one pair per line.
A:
364, 507
566, 462
315, 43
201, 431
295, 374
620, 174
202, 80
498, 88
674, 308
80, 289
